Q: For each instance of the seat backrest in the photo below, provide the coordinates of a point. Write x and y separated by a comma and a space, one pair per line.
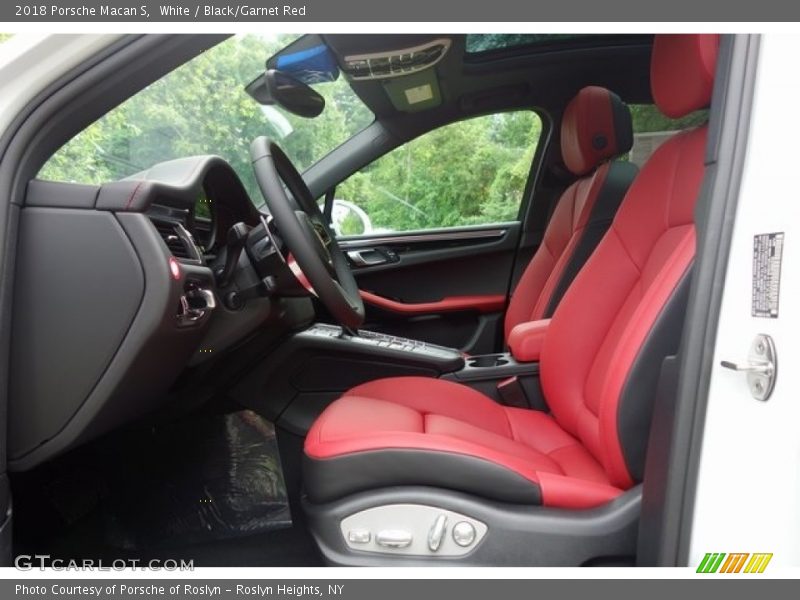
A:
596, 127
603, 350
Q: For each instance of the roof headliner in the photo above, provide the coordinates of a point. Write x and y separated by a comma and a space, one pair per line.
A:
543, 76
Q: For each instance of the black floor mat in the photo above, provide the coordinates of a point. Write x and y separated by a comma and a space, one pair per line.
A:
209, 489
212, 477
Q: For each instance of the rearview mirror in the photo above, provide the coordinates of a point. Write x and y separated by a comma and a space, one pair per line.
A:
277, 87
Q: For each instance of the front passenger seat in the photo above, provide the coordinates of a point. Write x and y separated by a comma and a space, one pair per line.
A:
437, 445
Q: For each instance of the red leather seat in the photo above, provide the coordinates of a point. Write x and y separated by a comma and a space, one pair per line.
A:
599, 364
595, 128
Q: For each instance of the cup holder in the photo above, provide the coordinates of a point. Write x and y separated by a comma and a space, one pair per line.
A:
489, 360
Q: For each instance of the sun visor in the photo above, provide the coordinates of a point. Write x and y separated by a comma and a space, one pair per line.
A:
412, 93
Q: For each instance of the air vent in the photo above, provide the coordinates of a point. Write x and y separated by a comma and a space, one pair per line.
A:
170, 234
382, 65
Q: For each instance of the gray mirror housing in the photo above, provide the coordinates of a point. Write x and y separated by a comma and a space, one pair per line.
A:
277, 87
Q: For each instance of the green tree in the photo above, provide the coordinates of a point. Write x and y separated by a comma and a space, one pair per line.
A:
469, 172
483, 42
647, 118
202, 108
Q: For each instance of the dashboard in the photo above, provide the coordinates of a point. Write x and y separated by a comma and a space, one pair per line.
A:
204, 196
138, 300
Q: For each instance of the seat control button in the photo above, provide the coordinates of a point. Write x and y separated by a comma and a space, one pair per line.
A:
359, 536
463, 533
436, 534
393, 538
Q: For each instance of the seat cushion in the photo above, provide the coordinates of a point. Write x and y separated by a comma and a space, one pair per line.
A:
430, 432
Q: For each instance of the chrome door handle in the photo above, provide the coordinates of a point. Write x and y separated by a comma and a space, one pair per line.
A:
761, 367
367, 258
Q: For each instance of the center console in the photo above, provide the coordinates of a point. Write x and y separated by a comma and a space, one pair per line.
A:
439, 357
502, 378
306, 372
302, 375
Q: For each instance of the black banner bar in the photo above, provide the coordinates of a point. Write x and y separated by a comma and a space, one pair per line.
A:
394, 589
463, 11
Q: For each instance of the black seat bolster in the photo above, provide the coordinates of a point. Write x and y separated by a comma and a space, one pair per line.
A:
334, 478
619, 178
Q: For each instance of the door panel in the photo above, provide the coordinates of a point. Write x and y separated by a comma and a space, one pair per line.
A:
447, 286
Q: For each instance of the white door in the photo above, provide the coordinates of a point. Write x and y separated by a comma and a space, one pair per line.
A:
748, 494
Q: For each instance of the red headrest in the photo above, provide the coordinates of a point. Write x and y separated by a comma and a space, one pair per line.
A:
682, 72
596, 126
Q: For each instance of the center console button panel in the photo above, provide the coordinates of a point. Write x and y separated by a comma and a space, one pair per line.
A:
380, 340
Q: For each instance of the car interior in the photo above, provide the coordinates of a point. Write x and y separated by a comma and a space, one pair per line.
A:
198, 372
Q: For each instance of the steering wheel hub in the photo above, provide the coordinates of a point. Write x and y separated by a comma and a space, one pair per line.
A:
322, 240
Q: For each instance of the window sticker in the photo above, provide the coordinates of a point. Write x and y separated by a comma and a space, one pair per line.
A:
767, 256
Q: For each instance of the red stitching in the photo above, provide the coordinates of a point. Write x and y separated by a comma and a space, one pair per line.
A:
133, 195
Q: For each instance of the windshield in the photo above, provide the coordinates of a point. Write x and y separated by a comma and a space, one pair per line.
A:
202, 108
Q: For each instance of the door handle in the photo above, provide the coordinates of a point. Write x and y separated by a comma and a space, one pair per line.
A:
761, 367
367, 258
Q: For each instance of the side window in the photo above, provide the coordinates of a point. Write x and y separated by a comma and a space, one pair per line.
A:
470, 172
202, 108
651, 129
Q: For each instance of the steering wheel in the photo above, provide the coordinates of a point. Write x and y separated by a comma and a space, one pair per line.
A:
306, 234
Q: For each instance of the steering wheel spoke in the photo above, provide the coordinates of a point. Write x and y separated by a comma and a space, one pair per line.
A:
308, 237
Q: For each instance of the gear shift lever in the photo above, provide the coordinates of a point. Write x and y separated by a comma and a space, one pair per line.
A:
348, 331
237, 236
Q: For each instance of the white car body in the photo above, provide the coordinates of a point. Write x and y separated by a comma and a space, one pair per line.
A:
748, 490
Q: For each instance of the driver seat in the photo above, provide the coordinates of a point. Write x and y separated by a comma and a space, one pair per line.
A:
600, 357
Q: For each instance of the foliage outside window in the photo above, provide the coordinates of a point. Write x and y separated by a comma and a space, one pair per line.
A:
466, 173
647, 118
4, 37
202, 108
651, 129
487, 42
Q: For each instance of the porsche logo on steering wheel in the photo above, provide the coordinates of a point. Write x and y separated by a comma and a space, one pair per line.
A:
322, 233
324, 239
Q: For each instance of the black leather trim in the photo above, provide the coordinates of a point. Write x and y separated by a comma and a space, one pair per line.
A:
178, 181
618, 179
334, 478
623, 124
635, 408
61, 195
